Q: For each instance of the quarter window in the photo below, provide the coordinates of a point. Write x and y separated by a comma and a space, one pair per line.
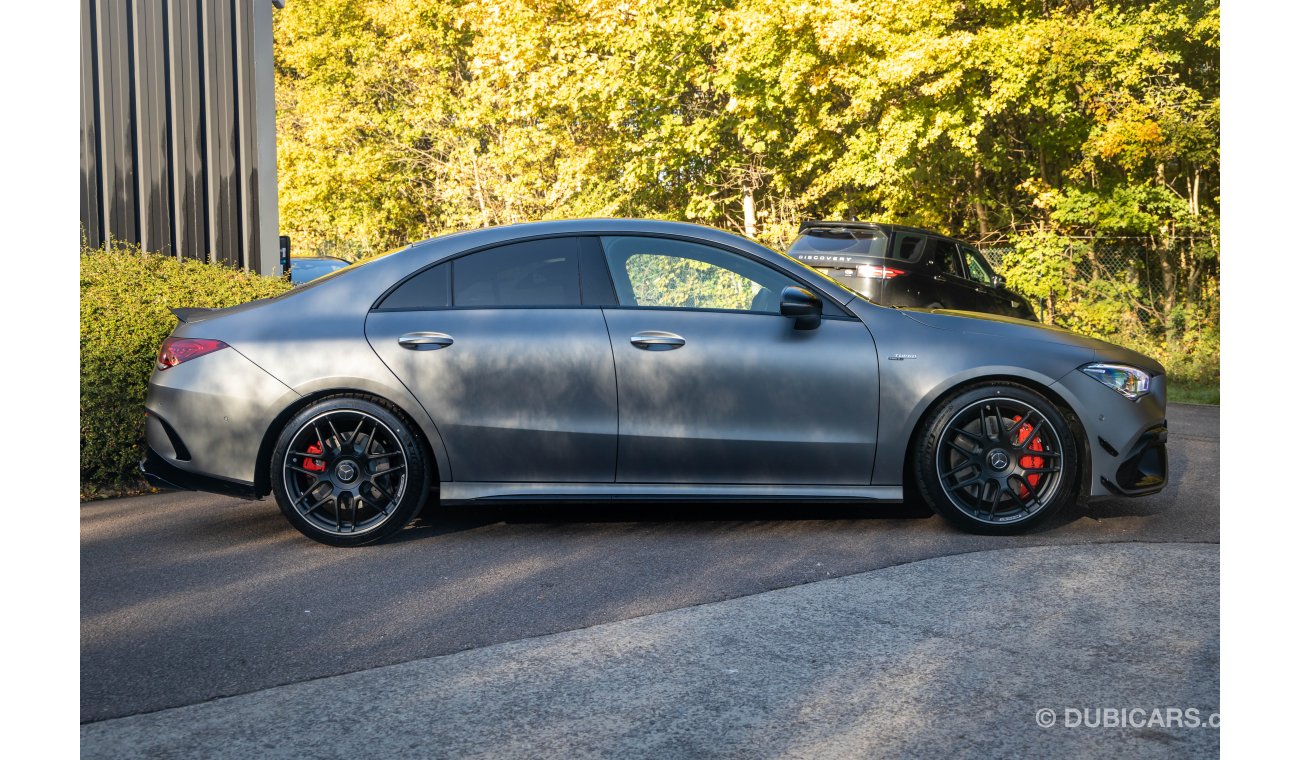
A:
430, 289
908, 247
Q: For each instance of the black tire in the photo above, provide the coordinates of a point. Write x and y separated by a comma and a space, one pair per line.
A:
348, 471
996, 458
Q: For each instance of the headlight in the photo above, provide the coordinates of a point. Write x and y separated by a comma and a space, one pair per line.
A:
1130, 382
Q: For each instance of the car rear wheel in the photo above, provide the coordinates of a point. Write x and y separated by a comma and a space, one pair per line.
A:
347, 471
996, 458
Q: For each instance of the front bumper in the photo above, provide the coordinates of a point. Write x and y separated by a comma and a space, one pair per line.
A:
1125, 439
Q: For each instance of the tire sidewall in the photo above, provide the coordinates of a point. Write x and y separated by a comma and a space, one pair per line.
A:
925, 470
413, 498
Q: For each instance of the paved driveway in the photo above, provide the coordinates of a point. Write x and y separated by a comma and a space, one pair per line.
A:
187, 597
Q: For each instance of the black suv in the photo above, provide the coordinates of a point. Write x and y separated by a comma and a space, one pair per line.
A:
905, 266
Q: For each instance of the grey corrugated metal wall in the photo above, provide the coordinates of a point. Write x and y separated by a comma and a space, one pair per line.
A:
178, 128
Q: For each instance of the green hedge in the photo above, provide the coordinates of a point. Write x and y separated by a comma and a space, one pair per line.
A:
125, 298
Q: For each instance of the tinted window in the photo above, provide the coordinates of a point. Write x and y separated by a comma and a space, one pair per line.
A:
944, 256
979, 271
908, 247
839, 240
533, 273
430, 289
677, 274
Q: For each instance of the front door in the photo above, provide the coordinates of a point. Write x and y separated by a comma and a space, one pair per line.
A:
715, 386
516, 373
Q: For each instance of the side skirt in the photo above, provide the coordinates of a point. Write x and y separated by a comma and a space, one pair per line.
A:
452, 493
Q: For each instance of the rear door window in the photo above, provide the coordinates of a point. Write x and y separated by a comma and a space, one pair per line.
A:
945, 257
532, 273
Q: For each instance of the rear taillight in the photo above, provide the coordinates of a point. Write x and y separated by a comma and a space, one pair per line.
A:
882, 273
177, 350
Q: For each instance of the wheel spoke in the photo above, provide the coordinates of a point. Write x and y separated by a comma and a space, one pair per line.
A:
384, 493
382, 455
990, 485
338, 439
984, 424
969, 454
1040, 470
1029, 488
370, 440
320, 440
308, 473
972, 480
957, 469
1033, 432
313, 507
1015, 495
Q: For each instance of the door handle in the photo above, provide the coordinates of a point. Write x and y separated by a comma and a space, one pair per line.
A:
425, 341
654, 340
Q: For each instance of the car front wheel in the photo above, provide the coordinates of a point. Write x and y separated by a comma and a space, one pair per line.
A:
347, 471
996, 458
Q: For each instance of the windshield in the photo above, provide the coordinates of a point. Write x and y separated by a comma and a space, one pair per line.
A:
304, 270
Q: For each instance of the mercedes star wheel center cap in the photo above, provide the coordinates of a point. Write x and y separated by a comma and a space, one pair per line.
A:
346, 472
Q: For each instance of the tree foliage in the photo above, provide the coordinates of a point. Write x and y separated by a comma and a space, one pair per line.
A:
1021, 121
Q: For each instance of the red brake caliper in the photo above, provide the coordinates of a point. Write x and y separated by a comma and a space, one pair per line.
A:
1028, 461
315, 465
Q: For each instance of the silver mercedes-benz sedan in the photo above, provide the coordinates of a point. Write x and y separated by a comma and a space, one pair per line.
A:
611, 359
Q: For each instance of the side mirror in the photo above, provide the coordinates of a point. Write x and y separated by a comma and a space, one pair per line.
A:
999, 281
803, 306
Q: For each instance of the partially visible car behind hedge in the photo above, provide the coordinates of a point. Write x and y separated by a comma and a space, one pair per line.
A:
126, 295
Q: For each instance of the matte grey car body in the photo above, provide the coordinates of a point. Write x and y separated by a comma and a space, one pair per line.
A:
581, 402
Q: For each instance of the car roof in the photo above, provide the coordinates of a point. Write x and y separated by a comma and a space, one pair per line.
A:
319, 258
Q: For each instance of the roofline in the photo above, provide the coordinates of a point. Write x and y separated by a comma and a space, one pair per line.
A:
821, 223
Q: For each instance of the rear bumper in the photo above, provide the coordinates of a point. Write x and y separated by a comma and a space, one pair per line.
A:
163, 474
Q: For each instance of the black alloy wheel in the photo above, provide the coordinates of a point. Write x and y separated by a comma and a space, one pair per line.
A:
997, 458
347, 471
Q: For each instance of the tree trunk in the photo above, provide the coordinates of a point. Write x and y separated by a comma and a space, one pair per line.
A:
981, 211
751, 219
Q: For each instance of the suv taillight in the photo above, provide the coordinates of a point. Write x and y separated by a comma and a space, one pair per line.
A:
883, 273
177, 350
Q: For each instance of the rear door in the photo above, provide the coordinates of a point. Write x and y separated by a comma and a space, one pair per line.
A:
953, 290
510, 362
715, 386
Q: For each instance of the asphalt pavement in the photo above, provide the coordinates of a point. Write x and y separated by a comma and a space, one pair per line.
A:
189, 597
1007, 653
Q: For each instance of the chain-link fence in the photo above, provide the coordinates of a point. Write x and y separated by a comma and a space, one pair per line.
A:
1157, 274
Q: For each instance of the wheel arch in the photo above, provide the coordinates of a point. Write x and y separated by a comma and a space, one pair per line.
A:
428, 439
941, 396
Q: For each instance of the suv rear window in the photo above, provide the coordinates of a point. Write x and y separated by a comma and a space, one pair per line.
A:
842, 240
